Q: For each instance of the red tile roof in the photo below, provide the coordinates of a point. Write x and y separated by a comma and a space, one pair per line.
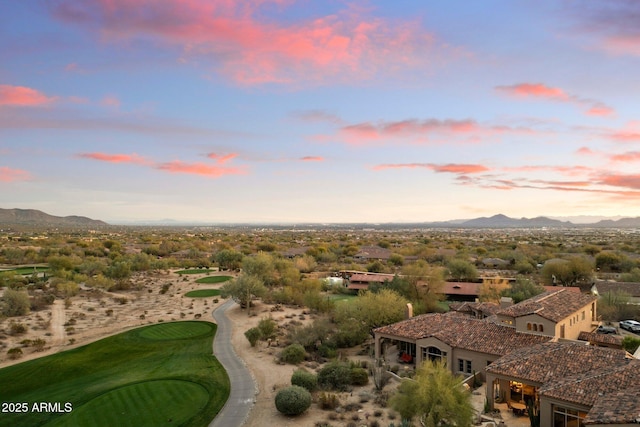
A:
595, 338
555, 360
553, 305
619, 407
462, 332
461, 288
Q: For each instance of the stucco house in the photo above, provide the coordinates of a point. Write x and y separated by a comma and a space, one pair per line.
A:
557, 313
571, 384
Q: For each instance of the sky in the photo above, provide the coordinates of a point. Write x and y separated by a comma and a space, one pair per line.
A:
297, 111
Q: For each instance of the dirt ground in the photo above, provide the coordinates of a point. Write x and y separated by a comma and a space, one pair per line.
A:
93, 315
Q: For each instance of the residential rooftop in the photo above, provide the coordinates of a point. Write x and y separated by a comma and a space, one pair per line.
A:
554, 305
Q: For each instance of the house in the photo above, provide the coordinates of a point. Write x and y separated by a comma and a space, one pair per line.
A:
569, 382
362, 280
478, 310
461, 291
465, 344
558, 313
369, 253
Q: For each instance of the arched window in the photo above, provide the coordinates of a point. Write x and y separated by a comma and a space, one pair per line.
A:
528, 326
540, 328
434, 354
535, 327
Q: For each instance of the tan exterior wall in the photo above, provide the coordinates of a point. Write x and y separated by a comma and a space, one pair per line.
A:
547, 407
574, 324
532, 324
479, 361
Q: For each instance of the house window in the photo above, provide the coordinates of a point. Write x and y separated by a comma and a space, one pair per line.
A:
583, 315
535, 327
562, 331
434, 354
464, 366
528, 326
565, 417
540, 328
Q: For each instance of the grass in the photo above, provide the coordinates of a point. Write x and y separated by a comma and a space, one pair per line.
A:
214, 279
342, 297
28, 270
203, 293
156, 375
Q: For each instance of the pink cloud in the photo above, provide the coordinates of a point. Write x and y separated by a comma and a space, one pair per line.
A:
8, 174
539, 90
250, 49
312, 159
115, 158
110, 101
203, 169
222, 159
22, 96
535, 90
621, 180
422, 130
585, 151
630, 156
625, 136
448, 168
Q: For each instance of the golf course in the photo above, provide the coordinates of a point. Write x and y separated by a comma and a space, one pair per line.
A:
162, 374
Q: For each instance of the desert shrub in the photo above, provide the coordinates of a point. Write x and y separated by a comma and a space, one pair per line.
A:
630, 343
293, 400
267, 327
335, 375
327, 351
16, 328
328, 401
38, 344
293, 354
14, 303
305, 379
359, 376
253, 335
14, 353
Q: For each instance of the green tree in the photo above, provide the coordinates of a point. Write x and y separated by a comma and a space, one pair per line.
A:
14, 303
262, 266
228, 259
243, 289
523, 289
425, 282
436, 398
460, 270
573, 271
373, 309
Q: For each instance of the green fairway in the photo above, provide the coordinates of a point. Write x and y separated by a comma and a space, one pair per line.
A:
152, 376
203, 293
29, 270
214, 279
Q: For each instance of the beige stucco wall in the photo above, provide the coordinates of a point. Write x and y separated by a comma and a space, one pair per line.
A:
575, 324
433, 342
549, 327
546, 409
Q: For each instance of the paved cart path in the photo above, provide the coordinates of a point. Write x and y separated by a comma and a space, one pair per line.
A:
243, 387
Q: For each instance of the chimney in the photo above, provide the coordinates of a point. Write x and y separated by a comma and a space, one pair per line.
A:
408, 313
506, 302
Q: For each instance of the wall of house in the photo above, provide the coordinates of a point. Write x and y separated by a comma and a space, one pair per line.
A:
574, 324
433, 342
506, 321
547, 408
479, 361
535, 321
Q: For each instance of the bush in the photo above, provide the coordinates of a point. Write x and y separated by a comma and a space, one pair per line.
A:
293, 354
304, 379
328, 401
293, 400
17, 328
253, 335
359, 376
14, 353
267, 327
335, 375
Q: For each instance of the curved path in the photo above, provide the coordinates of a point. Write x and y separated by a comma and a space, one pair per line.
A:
243, 388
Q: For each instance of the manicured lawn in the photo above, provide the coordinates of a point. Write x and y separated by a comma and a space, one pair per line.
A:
214, 279
203, 293
157, 375
29, 270
194, 271
342, 297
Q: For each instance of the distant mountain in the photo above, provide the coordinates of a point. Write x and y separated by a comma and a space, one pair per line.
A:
503, 221
621, 223
36, 217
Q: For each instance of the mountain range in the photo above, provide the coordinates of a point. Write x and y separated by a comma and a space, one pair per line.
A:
39, 218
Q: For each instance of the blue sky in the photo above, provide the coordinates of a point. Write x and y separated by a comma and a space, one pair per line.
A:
336, 111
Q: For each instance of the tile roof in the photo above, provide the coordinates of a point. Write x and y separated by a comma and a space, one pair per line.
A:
620, 407
631, 288
595, 338
555, 360
371, 277
553, 305
461, 288
463, 332
586, 388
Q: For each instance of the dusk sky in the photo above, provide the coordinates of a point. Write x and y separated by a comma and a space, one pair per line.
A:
285, 111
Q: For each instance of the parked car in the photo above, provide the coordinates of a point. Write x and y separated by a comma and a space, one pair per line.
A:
630, 325
606, 330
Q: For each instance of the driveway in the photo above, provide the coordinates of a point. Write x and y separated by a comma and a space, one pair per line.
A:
243, 388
